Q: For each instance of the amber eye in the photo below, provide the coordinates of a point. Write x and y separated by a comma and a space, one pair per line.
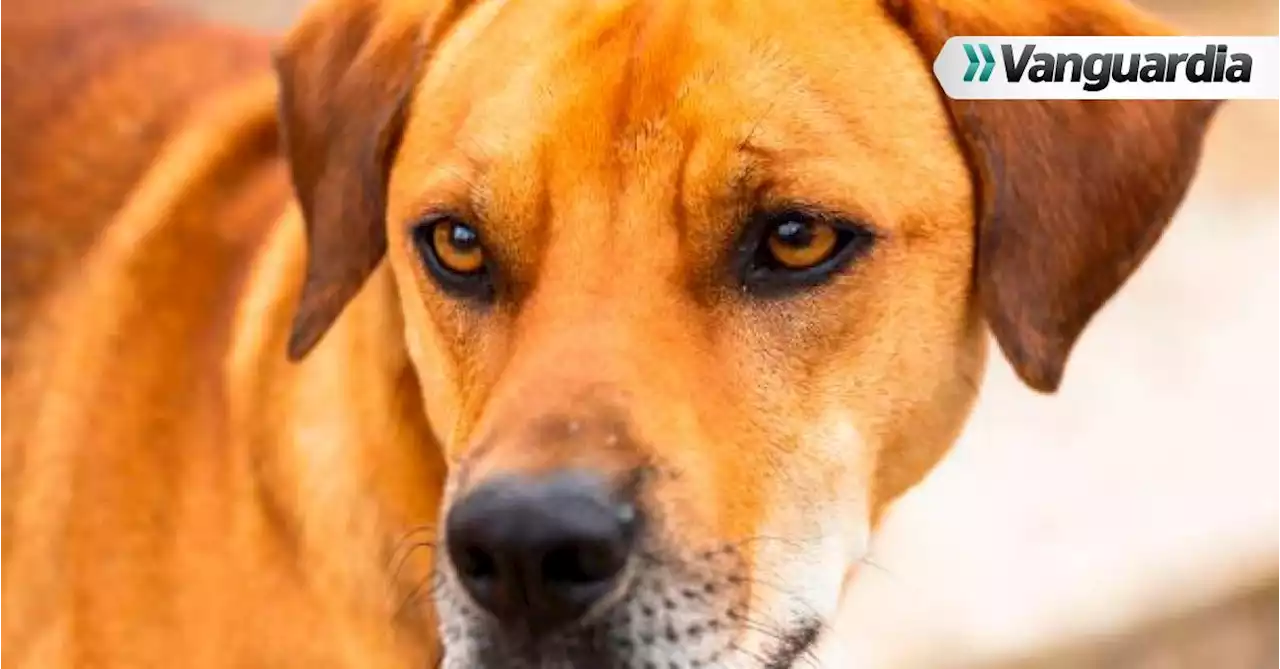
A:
794, 249
801, 244
452, 252
457, 247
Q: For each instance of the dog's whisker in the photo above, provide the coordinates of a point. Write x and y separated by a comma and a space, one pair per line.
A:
794, 542
431, 583
410, 534
808, 653
791, 598
406, 544
756, 657
888, 573
768, 631
416, 529
407, 553
866, 559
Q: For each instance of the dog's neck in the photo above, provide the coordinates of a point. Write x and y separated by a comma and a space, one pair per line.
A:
347, 488
349, 485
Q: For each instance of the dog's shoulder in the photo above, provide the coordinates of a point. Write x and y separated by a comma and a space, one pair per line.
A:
94, 89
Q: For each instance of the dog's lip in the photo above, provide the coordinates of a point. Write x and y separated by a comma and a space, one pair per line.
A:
794, 644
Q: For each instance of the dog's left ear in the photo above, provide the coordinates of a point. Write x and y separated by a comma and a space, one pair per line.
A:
1071, 195
346, 72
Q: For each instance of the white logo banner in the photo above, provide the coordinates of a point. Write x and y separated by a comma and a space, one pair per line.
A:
1109, 68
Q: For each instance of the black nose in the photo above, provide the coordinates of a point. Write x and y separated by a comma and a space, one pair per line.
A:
539, 552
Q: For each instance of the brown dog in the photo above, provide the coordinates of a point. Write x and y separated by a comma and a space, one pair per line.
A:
677, 297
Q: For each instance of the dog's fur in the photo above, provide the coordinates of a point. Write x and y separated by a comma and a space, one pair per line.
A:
180, 493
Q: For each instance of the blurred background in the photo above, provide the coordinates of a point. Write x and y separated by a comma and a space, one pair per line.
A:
1131, 520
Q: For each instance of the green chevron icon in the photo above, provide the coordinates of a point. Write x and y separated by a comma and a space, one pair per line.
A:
987, 58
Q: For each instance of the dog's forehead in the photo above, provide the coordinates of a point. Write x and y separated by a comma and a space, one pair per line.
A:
511, 80
609, 109
515, 74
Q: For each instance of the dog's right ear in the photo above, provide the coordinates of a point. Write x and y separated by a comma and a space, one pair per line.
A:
346, 72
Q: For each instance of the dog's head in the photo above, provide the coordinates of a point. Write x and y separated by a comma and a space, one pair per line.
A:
694, 289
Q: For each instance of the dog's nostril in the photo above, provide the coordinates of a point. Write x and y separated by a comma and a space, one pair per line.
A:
473, 562
584, 564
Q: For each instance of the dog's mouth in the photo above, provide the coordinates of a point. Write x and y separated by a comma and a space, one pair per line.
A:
687, 610
792, 649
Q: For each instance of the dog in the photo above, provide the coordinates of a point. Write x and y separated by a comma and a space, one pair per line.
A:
520, 334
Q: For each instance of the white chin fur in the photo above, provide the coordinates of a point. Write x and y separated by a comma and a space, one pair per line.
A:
813, 544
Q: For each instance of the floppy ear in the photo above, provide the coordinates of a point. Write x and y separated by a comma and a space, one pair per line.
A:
1071, 195
346, 72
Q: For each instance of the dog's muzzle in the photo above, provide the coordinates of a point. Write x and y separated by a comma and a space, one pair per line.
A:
568, 570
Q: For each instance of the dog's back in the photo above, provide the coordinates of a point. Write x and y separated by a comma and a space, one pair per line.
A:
93, 90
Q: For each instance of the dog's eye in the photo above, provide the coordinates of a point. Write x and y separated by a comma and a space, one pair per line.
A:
453, 253
457, 247
794, 249
800, 244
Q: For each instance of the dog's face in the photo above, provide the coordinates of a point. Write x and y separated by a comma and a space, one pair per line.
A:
691, 290
687, 263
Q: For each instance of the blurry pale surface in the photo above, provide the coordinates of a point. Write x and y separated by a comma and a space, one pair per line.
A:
1148, 484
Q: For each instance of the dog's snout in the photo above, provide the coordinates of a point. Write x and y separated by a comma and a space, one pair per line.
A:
541, 551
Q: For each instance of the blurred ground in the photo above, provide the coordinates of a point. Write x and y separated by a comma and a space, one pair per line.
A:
1131, 520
